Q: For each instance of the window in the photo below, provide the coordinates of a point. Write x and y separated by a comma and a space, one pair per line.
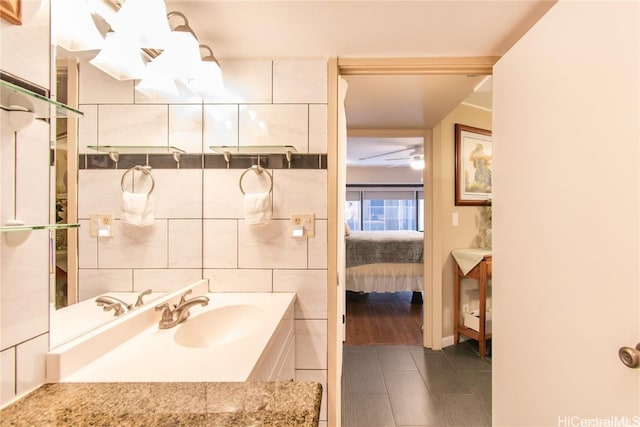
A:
420, 196
352, 210
385, 208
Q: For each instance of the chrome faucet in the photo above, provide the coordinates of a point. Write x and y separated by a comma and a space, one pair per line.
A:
180, 312
116, 307
108, 302
139, 301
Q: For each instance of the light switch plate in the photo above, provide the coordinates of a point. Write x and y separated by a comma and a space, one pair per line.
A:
305, 220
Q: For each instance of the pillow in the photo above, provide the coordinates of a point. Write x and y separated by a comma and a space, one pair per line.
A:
347, 230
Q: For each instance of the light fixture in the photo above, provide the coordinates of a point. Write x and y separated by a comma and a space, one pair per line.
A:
182, 54
207, 79
179, 72
144, 22
157, 85
120, 58
73, 27
175, 70
417, 163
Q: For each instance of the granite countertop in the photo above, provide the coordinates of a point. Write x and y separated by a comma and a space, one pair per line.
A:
168, 404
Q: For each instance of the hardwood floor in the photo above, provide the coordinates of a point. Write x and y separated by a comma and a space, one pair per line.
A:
383, 318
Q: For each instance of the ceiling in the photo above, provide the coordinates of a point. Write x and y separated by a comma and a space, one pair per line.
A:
403, 103
360, 29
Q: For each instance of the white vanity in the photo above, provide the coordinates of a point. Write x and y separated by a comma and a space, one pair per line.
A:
236, 337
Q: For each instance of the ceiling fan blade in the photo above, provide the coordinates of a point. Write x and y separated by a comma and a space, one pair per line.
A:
409, 157
386, 154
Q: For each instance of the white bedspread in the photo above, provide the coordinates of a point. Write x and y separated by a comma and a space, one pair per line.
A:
385, 277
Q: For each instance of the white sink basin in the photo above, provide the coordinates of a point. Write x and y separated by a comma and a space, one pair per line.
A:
219, 326
236, 337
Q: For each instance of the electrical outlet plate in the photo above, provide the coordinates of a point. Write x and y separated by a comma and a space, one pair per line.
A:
101, 225
305, 220
465, 308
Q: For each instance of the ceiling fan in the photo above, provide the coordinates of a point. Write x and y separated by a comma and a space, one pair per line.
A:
414, 151
415, 158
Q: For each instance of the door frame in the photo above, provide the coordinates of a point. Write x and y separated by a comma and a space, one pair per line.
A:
432, 308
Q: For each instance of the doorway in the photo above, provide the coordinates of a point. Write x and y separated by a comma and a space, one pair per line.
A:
384, 208
432, 334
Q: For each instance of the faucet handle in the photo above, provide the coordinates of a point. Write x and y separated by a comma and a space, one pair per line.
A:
183, 298
167, 312
139, 301
116, 307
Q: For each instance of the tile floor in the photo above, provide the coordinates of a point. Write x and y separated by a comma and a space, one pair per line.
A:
403, 385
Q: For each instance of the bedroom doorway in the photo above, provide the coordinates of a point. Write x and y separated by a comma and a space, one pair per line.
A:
384, 220
433, 277
390, 122
382, 193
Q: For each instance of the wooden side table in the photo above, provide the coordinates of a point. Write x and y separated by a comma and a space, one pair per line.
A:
481, 272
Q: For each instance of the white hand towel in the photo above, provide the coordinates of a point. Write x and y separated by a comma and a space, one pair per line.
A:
137, 209
147, 217
257, 208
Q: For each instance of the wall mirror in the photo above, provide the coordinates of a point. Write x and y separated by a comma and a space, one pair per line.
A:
72, 312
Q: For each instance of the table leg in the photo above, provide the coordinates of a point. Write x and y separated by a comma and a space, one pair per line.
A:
482, 344
456, 304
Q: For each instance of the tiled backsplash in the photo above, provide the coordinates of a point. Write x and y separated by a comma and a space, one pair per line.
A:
24, 269
199, 229
206, 161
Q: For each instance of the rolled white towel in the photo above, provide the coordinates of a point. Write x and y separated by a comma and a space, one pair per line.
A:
137, 209
147, 217
257, 208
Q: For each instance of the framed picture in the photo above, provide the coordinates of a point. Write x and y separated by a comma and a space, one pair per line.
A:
11, 11
473, 153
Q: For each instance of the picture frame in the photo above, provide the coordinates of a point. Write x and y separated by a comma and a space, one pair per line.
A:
473, 156
11, 11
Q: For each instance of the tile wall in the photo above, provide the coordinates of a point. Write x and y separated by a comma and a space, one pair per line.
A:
199, 228
24, 268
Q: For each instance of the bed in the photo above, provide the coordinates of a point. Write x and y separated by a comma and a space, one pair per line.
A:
384, 261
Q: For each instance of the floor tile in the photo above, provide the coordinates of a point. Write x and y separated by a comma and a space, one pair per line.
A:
479, 382
438, 373
395, 358
463, 357
461, 410
350, 348
406, 385
411, 403
361, 373
360, 410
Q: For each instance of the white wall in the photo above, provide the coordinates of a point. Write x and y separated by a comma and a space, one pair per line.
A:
466, 233
200, 229
24, 269
565, 218
383, 175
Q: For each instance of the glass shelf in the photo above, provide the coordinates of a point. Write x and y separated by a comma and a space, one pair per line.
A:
137, 149
6, 228
253, 149
12, 95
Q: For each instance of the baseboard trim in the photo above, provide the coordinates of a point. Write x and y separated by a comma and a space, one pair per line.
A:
448, 341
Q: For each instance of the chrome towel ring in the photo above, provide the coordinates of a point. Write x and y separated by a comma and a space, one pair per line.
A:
258, 170
143, 169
